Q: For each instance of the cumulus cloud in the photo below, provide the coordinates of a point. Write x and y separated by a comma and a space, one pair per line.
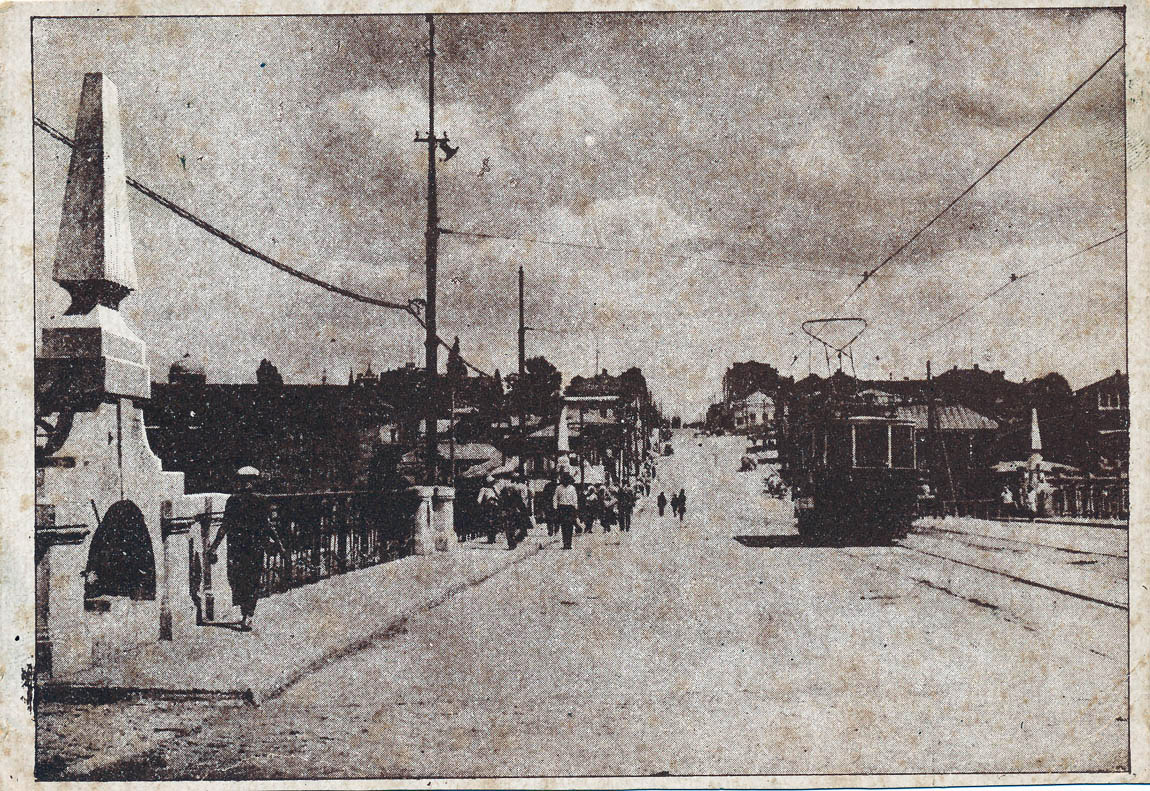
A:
570, 109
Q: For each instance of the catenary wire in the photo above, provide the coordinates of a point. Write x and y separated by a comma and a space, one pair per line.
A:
1015, 279
412, 307
975, 183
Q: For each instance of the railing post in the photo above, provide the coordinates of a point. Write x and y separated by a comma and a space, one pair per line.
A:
206, 542
166, 586
443, 518
342, 525
422, 531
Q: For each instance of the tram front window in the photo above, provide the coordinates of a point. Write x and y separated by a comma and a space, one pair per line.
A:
871, 445
902, 447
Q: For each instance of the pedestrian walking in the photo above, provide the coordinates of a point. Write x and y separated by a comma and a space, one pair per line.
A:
548, 508
589, 510
565, 503
1032, 502
682, 505
662, 502
609, 503
247, 526
627, 500
514, 510
488, 500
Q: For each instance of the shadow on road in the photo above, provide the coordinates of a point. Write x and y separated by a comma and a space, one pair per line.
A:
794, 540
778, 542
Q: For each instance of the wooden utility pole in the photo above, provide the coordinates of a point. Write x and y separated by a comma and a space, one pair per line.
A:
938, 445
522, 377
431, 236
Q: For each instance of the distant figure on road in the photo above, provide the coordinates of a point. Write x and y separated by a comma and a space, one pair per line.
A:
489, 509
565, 503
662, 502
682, 504
1032, 502
249, 532
515, 511
607, 508
1007, 498
588, 510
627, 499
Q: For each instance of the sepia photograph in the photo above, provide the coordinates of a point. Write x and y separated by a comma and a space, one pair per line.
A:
581, 395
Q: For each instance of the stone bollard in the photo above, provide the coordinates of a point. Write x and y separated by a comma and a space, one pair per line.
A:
422, 531
443, 518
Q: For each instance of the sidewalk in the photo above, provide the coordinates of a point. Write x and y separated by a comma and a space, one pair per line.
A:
295, 632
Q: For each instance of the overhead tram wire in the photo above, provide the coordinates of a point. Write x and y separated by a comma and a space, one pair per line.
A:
1015, 279
636, 251
411, 307
975, 183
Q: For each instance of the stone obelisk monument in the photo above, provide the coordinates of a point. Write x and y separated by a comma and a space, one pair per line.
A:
100, 489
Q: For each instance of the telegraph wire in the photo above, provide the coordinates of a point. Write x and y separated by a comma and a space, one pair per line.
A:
1015, 279
413, 307
868, 275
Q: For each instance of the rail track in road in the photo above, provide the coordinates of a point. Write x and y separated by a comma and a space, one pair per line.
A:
1016, 578
1071, 550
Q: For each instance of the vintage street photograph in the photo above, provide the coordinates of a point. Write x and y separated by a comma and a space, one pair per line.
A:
580, 395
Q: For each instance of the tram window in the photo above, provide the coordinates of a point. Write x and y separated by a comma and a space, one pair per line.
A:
902, 446
839, 445
870, 445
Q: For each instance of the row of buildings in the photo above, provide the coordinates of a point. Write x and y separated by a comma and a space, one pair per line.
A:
983, 419
370, 432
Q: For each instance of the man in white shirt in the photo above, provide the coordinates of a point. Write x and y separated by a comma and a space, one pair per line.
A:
566, 506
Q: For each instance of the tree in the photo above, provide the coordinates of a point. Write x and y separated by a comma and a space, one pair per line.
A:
539, 387
456, 368
742, 379
267, 375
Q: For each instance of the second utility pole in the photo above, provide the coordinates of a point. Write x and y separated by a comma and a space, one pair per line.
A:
522, 377
432, 239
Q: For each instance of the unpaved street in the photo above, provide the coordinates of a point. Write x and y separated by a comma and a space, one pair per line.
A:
724, 646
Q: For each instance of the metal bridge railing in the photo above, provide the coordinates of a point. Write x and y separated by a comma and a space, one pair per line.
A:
329, 533
1075, 498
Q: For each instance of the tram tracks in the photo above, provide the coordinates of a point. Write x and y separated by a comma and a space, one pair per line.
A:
1016, 578
1070, 550
1034, 618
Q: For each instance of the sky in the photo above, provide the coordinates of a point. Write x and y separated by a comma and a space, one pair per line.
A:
746, 169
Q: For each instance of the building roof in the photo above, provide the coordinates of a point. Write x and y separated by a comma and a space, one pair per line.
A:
1118, 378
950, 418
493, 466
474, 452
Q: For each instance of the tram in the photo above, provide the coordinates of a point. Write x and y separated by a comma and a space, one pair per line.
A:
852, 473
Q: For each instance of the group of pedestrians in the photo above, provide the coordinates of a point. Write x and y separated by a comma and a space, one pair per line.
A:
678, 504
574, 512
505, 509
1031, 500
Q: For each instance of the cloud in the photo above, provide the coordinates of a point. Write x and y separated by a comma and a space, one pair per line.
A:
570, 110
